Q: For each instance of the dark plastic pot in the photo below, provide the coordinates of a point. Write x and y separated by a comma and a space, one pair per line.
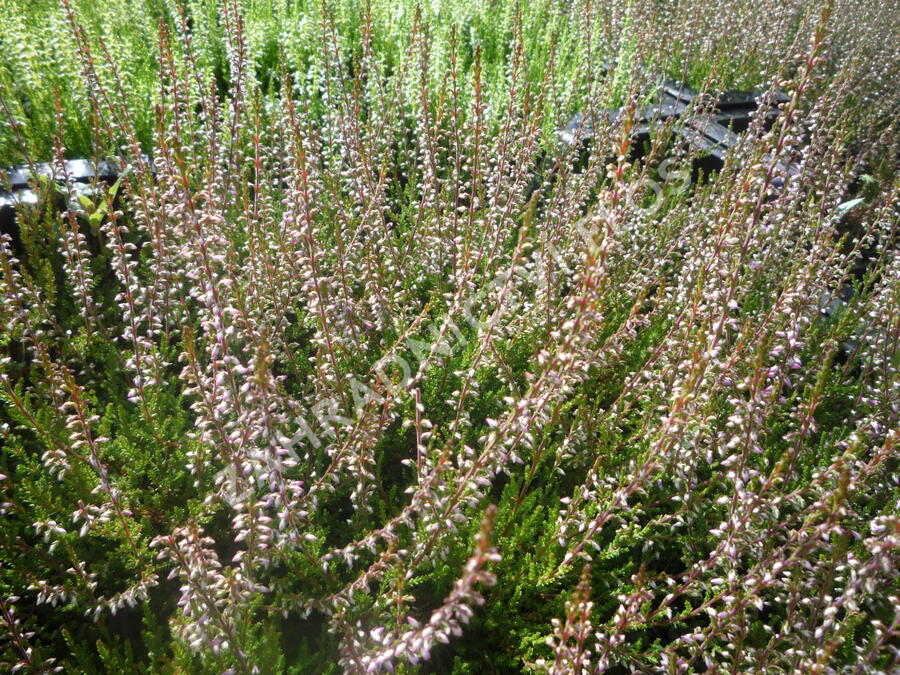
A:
712, 140
21, 176
80, 170
8, 226
678, 91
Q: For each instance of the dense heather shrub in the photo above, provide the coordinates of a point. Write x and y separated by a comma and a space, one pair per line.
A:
368, 371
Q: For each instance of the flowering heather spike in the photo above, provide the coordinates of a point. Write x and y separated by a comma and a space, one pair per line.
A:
26, 658
570, 641
379, 648
365, 289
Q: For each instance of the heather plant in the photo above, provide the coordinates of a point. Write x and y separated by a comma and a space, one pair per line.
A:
364, 369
